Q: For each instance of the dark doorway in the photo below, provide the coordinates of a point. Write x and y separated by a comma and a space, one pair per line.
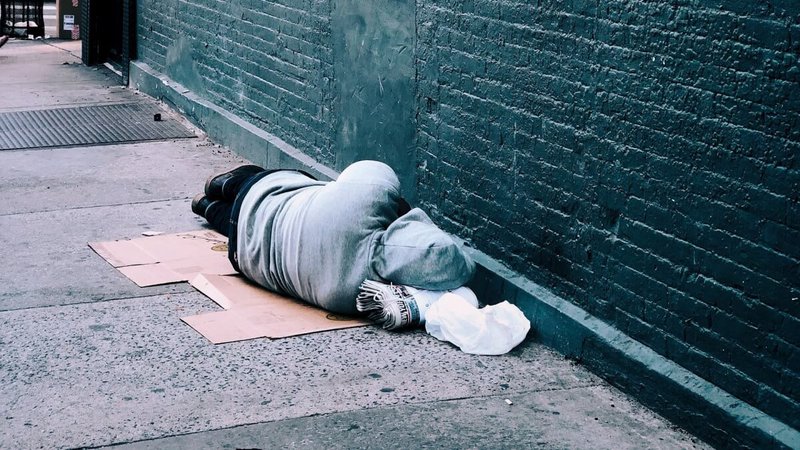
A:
110, 31
107, 30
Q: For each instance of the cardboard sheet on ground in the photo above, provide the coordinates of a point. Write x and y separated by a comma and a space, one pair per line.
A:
201, 257
167, 258
253, 312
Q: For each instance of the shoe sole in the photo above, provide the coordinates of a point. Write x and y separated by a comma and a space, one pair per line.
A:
196, 204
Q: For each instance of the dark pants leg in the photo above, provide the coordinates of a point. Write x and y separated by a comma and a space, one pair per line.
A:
219, 212
218, 215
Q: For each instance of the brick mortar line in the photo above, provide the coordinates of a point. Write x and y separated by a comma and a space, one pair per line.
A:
601, 161
281, 20
224, 87
662, 32
713, 309
286, 49
649, 9
577, 63
689, 117
603, 45
558, 102
312, 68
601, 139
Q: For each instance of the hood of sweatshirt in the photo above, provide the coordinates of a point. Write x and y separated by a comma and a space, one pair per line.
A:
413, 251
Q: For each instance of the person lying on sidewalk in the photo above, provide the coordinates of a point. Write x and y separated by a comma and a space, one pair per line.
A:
320, 241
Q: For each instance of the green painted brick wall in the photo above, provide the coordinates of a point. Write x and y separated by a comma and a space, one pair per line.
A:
332, 78
639, 158
270, 62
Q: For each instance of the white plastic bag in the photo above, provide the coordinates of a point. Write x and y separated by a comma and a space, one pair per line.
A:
425, 299
396, 306
491, 330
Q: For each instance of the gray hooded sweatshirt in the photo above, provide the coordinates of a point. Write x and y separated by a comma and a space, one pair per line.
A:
317, 241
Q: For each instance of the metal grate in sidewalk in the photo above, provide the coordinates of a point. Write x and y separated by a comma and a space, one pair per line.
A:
87, 125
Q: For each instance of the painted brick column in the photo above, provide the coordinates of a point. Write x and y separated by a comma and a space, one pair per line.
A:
87, 34
374, 100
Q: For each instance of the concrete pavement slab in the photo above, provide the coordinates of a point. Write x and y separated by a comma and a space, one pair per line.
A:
127, 370
58, 200
39, 75
53, 265
551, 419
85, 177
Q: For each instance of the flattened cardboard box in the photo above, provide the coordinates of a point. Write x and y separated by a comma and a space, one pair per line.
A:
168, 258
202, 257
252, 312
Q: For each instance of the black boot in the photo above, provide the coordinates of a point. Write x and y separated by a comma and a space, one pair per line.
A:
226, 185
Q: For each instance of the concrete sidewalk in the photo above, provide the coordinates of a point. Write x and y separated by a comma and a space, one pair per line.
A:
88, 359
